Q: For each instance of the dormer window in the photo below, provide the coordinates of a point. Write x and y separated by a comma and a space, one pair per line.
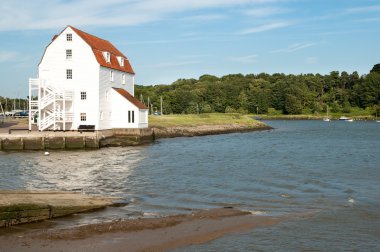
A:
107, 56
69, 37
121, 61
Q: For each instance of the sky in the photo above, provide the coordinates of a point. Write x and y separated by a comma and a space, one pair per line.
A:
166, 40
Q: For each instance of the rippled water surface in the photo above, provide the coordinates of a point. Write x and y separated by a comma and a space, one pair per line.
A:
300, 166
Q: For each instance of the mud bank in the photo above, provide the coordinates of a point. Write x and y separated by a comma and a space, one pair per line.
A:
158, 234
203, 130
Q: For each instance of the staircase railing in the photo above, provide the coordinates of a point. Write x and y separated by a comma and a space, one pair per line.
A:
47, 122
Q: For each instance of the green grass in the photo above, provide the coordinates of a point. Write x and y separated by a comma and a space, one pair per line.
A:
192, 120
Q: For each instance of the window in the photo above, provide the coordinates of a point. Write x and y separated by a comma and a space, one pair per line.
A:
110, 115
123, 79
111, 76
69, 54
83, 95
122, 62
107, 95
83, 117
107, 56
131, 119
69, 37
101, 115
69, 74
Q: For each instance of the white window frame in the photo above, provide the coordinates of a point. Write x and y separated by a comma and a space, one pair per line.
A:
107, 57
69, 74
107, 95
83, 95
69, 54
131, 116
101, 115
83, 117
111, 76
69, 37
123, 79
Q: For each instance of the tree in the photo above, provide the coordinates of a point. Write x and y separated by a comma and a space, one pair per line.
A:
376, 69
293, 105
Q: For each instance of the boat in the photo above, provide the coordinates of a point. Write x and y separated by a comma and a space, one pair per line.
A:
346, 119
326, 118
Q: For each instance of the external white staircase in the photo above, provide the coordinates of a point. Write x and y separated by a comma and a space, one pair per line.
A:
52, 106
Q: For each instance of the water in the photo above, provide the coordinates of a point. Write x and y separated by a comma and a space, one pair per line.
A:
328, 168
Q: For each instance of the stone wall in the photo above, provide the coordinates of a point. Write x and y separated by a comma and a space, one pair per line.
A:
75, 140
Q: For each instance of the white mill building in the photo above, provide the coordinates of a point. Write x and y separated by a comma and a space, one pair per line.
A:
84, 81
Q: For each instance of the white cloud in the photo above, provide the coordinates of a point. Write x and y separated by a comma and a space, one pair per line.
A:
264, 12
202, 18
53, 14
8, 56
266, 27
248, 59
294, 47
372, 8
369, 20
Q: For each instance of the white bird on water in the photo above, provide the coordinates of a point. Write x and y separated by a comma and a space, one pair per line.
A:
46, 153
351, 200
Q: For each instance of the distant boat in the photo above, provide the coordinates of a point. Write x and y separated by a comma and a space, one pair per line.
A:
343, 118
326, 118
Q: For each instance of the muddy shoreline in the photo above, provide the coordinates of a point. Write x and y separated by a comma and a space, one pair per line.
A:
148, 234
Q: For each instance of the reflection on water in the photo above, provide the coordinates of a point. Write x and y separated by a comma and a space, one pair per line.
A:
105, 172
300, 166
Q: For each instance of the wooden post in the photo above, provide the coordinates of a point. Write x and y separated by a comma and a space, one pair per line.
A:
161, 105
148, 105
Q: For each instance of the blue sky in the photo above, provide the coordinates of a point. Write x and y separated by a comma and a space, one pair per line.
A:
170, 39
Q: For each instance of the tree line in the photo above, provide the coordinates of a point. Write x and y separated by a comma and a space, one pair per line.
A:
9, 104
263, 93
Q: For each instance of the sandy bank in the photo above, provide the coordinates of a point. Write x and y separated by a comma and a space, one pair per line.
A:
159, 234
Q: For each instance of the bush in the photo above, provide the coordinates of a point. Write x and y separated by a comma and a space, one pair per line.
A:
230, 110
273, 111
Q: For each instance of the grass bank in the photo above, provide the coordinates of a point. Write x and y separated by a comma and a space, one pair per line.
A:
210, 119
204, 124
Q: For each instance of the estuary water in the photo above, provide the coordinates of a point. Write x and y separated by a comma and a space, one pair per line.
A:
330, 169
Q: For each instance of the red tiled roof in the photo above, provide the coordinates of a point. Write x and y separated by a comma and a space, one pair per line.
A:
130, 98
99, 46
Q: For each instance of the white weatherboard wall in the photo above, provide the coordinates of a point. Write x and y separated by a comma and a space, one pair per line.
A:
85, 68
120, 108
106, 97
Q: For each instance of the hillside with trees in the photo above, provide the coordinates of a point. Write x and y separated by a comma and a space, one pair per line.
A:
268, 93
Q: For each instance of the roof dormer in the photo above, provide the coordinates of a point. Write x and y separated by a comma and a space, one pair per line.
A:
121, 61
107, 56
